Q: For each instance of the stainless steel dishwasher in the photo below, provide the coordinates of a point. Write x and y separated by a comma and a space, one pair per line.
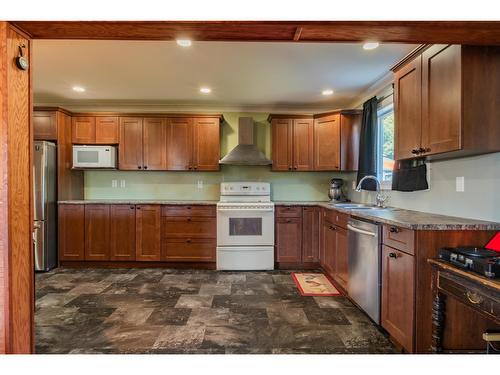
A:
364, 266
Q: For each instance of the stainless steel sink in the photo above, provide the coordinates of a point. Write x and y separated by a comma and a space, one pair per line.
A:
358, 206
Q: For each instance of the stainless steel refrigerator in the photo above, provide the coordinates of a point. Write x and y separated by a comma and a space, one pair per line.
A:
45, 205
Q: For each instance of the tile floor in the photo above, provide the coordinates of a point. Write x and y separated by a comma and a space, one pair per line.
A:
187, 311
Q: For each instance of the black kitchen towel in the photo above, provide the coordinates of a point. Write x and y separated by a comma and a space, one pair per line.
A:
410, 175
367, 162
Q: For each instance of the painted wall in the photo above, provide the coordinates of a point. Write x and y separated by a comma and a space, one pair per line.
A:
310, 186
480, 200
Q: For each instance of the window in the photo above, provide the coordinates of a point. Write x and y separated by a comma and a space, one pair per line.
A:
385, 142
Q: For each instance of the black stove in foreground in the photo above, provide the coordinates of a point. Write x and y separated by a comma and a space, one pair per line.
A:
480, 260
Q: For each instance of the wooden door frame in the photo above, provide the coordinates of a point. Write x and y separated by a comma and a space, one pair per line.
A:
16, 273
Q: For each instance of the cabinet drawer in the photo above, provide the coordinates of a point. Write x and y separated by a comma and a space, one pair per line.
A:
399, 238
184, 226
188, 250
335, 217
288, 211
194, 210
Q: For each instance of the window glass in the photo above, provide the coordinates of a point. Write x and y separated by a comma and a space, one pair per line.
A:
243, 226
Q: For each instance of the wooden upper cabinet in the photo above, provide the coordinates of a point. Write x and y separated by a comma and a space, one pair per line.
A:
303, 130
206, 144
408, 109
154, 144
327, 143
71, 232
398, 295
45, 125
107, 130
97, 232
179, 143
83, 130
289, 239
282, 145
122, 232
441, 99
148, 232
130, 150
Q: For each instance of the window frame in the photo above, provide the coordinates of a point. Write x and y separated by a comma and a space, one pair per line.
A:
381, 112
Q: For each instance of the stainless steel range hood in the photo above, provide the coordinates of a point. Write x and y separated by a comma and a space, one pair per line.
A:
246, 153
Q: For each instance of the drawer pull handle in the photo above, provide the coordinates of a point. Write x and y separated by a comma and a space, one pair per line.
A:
393, 255
473, 297
188, 240
394, 230
188, 219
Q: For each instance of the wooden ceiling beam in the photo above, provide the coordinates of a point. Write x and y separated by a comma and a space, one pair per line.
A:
415, 32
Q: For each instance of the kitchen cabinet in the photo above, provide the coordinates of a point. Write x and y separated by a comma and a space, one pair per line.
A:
292, 144
122, 232
341, 274
130, 149
148, 237
289, 239
206, 144
93, 130
45, 125
83, 130
327, 143
398, 298
97, 232
444, 102
310, 234
107, 130
179, 143
71, 232
329, 247
154, 157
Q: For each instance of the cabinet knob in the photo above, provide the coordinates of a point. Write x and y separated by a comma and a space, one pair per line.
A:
195, 167
139, 167
394, 230
289, 168
138, 207
188, 207
393, 255
288, 221
188, 240
414, 151
190, 167
132, 207
188, 219
295, 168
145, 167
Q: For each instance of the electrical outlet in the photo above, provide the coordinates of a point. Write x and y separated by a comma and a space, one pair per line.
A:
122, 183
114, 183
200, 184
460, 184
354, 185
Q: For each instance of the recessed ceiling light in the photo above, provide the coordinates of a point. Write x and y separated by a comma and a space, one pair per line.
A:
78, 88
327, 92
184, 42
205, 90
370, 45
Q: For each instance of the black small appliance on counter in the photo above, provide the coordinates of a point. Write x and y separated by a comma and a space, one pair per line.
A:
480, 260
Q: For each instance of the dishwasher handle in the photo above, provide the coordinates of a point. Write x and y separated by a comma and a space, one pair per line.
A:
361, 231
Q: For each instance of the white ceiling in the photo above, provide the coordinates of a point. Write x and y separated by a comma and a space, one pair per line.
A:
243, 76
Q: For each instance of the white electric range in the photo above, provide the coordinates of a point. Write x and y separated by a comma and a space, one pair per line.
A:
245, 227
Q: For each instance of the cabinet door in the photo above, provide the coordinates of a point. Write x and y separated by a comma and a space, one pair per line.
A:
107, 130
330, 243
327, 143
341, 264
83, 130
71, 232
179, 144
282, 144
97, 228
303, 144
441, 99
122, 232
148, 224
310, 234
408, 109
155, 144
206, 145
289, 240
130, 151
398, 295
44, 126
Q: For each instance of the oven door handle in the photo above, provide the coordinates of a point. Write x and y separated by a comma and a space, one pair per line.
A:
245, 210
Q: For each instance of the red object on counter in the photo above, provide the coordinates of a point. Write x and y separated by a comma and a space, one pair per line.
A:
494, 243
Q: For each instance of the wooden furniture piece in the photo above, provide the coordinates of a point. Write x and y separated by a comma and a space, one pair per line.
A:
147, 229
71, 232
44, 125
480, 295
122, 232
95, 130
323, 142
188, 233
97, 229
444, 102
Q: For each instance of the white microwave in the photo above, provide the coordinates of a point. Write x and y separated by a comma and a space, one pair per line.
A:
94, 157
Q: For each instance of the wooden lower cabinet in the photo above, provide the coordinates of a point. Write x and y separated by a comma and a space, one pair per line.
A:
188, 250
71, 232
97, 232
329, 247
341, 274
398, 296
289, 239
122, 234
148, 237
310, 234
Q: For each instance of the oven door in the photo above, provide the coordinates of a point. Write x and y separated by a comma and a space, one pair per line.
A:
245, 227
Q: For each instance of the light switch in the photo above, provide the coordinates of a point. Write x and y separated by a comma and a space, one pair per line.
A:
114, 183
460, 182
122, 183
200, 184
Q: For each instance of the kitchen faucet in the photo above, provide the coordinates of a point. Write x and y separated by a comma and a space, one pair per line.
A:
380, 198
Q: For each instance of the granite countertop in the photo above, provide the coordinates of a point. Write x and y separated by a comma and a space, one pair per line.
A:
415, 220
137, 201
